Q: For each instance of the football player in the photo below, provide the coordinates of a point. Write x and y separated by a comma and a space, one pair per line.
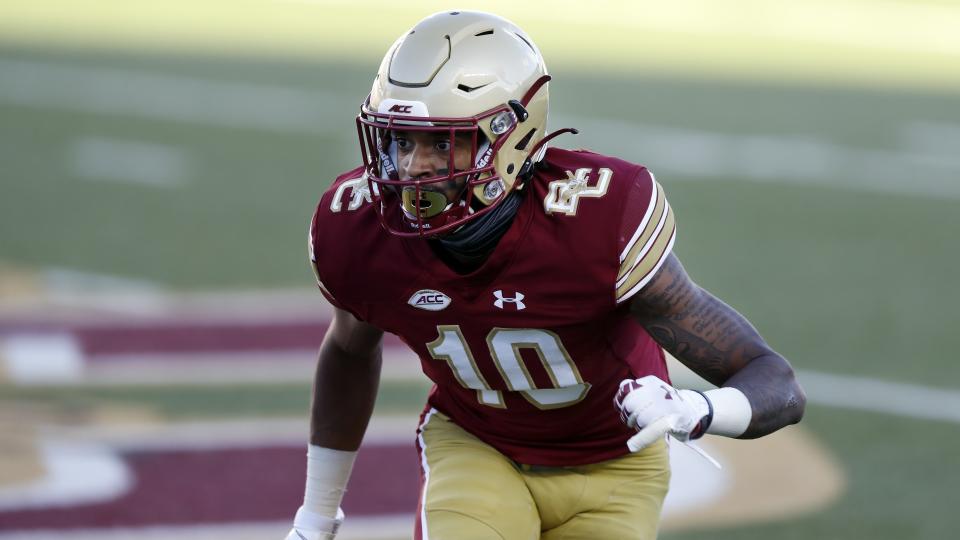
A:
539, 289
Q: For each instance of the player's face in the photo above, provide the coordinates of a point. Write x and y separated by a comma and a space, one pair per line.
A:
425, 155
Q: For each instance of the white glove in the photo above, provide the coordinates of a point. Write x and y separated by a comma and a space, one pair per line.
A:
655, 409
309, 525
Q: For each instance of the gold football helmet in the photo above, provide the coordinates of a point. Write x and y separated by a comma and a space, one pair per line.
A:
457, 75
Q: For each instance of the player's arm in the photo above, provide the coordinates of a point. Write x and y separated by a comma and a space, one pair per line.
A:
720, 345
344, 390
345, 383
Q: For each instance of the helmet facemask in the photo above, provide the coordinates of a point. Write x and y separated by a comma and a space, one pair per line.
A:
453, 196
458, 73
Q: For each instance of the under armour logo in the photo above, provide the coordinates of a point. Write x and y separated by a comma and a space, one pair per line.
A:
516, 300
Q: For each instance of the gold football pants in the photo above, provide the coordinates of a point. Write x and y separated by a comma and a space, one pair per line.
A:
472, 492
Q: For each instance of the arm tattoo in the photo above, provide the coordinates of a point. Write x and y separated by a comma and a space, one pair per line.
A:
710, 337
718, 344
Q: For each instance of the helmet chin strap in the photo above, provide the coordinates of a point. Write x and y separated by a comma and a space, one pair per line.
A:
527, 168
470, 245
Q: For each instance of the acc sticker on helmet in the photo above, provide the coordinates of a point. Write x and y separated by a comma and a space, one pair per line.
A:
429, 300
411, 108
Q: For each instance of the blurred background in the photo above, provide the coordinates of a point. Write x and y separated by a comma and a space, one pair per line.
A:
159, 163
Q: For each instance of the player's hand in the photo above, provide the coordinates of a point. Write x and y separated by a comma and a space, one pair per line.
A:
309, 525
654, 409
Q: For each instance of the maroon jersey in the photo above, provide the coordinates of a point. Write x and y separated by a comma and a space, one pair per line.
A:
527, 351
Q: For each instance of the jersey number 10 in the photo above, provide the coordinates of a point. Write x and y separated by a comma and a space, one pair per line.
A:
505, 345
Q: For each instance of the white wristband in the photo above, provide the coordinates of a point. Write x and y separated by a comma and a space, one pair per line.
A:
731, 412
316, 527
327, 473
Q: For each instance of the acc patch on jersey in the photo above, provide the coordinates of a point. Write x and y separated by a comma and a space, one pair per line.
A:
429, 300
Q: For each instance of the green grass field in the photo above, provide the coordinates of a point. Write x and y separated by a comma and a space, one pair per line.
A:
826, 208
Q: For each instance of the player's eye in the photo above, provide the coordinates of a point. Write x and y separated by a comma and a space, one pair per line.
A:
443, 145
403, 144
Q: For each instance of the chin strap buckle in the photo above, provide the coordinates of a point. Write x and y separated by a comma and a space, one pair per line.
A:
519, 110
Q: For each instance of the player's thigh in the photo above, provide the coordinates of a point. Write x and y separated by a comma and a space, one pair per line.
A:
622, 500
470, 491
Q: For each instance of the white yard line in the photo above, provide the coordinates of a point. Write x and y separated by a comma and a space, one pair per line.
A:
68, 280
931, 171
904, 399
218, 434
940, 137
400, 364
388, 527
164, 97
926, 170
38, 359
77, 473
908, 400
92, 297
873, 395
128, 161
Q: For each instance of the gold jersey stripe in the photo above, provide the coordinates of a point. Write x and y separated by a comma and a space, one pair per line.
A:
645, 269
651, 204
650, 275
640, 241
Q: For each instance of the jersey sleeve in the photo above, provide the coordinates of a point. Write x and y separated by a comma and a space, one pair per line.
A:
646, 236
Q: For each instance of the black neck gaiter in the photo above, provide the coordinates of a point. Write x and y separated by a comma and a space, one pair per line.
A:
469, 246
